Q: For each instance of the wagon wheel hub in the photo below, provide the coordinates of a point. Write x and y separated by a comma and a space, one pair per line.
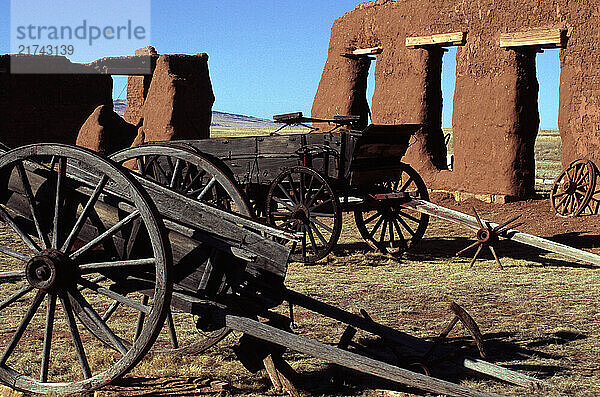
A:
48, 270
569, 187
301, 213
483, 235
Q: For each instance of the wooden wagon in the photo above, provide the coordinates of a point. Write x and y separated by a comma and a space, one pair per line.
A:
303, 182
100, 265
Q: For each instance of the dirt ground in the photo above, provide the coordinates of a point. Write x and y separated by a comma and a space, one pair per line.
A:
539, 316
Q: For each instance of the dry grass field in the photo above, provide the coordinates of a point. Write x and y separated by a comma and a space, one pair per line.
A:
540, 315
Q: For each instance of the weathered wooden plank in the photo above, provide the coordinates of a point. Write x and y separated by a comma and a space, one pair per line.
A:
368, 51
454, 38
348, 359
429, 208
502, 373
535, 37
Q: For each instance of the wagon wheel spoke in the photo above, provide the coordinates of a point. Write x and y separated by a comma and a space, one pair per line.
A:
408, 216
50, 311
66, 247
309, 203
391, 230
476, 255
22, 326
207, 188
24, 236
172, 332
286, 193
319, 234
62, 165
79, 303
111, 310
377, 224
198, 177
95, 266
76, 338
122, 299
406, 227
312, 240
318, 222
14, 254
383, 231
406, 184
369, 219
108, 233
12, 276
176, 171
141, 318
400, 234
15, 297
32, 206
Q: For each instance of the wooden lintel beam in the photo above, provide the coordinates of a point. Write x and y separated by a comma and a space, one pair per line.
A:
454, 38
368, 51
535, 37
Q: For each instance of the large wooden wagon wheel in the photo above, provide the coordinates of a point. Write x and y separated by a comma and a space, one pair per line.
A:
391, 228
72, 242
573, 188
186, 171
300, 199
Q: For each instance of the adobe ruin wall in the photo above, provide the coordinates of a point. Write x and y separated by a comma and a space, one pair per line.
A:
495, 112
170, 99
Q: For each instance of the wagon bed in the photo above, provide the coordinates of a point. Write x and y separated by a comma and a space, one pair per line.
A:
303, 182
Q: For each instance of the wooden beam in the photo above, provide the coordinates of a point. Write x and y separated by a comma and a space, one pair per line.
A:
455, 38
548, 38
348, 359
368, 51
514, 235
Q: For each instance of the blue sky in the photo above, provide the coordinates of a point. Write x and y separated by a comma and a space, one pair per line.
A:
266, 56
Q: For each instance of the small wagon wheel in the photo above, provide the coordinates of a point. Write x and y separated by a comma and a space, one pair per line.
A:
65, 251
300, 199
573, 188
391, 228
186, 171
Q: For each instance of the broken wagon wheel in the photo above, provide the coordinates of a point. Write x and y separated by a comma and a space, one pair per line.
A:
186, 171
59, 269
573, 188
470, 325
391, 228
301, 200
488, 236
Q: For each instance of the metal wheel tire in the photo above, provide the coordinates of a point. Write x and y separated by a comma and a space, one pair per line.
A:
77, 230
186, 171
573, 188
391, 228
301, 200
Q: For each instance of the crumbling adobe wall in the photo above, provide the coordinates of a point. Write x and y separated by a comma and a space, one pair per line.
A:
137, 88
179, 100
47, 108
495, 118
